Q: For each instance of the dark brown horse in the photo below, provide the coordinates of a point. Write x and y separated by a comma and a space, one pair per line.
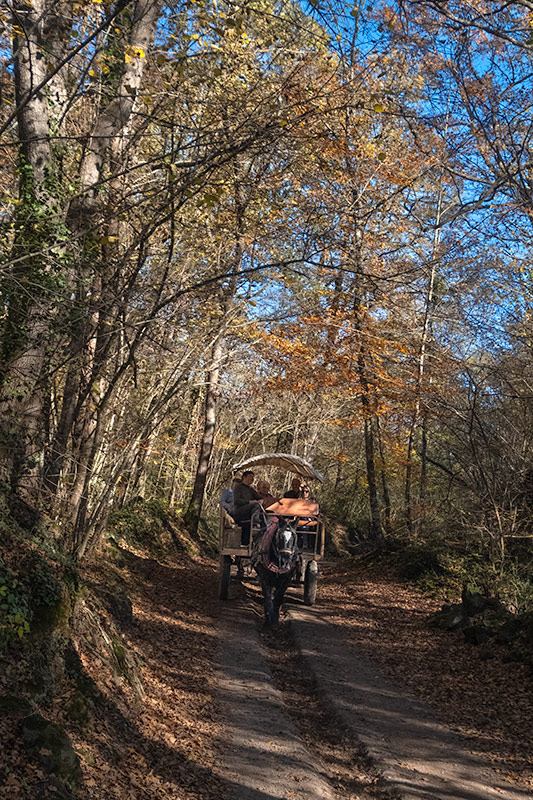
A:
276, 558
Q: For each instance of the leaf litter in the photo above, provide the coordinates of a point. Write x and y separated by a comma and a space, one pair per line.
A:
479, 694
155, 743
162, 745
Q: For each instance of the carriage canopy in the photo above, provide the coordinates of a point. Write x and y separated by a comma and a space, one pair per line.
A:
291, 463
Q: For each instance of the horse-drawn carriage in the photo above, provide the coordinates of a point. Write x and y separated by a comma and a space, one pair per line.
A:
298, 520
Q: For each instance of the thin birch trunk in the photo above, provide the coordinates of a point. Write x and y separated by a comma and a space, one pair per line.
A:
384, 483
194, 510
426, 327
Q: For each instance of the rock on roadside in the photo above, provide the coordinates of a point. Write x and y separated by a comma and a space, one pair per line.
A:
52, 748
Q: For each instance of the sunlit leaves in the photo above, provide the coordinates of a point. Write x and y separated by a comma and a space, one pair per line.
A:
131, 52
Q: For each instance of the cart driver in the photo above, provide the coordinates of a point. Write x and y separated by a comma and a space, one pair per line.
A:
245, 497
294, 491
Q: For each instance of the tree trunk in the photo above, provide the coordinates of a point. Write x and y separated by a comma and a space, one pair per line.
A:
227, 294
190, 415
26, 325
384, 482
375, 514
426, 327
412, 525
423, 464
367, 401
194, 510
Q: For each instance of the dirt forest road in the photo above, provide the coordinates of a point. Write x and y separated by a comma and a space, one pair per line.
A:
309, 717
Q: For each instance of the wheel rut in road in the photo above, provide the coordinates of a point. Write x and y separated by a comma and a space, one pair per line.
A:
261, 756
309, 717
418, 756
280, 740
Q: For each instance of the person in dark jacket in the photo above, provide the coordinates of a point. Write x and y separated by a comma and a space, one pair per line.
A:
245, 498
294, 491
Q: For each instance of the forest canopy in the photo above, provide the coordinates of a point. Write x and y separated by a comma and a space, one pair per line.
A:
238, 227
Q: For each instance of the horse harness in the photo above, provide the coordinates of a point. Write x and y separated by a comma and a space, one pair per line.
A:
263, 544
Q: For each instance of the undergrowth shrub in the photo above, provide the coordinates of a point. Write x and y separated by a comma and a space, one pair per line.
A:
33, 572
139, 523
31, 594
15, 609
44, 586
435, 566
152, 525
416, 561
442, 568
513, 586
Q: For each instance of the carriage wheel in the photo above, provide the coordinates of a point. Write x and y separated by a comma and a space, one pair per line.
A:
310, 582
224, 577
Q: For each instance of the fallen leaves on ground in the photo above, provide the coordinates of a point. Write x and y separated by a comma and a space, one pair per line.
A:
474, 690
158, 746
162, 746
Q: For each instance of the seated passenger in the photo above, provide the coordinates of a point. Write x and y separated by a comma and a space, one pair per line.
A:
305, 493
294, 491
305, 523
226, 501
263, 487
245, 497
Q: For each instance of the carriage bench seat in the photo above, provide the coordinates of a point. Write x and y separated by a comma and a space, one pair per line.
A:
231, 533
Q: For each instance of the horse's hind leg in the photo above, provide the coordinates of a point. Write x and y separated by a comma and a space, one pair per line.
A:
279, 594
268, 602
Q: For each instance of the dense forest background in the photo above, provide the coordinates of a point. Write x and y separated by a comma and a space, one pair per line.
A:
237, 227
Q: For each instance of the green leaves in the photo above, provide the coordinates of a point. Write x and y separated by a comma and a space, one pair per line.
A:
209, 199
15, 614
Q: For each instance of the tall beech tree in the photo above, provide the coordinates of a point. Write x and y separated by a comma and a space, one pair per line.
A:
48, 219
